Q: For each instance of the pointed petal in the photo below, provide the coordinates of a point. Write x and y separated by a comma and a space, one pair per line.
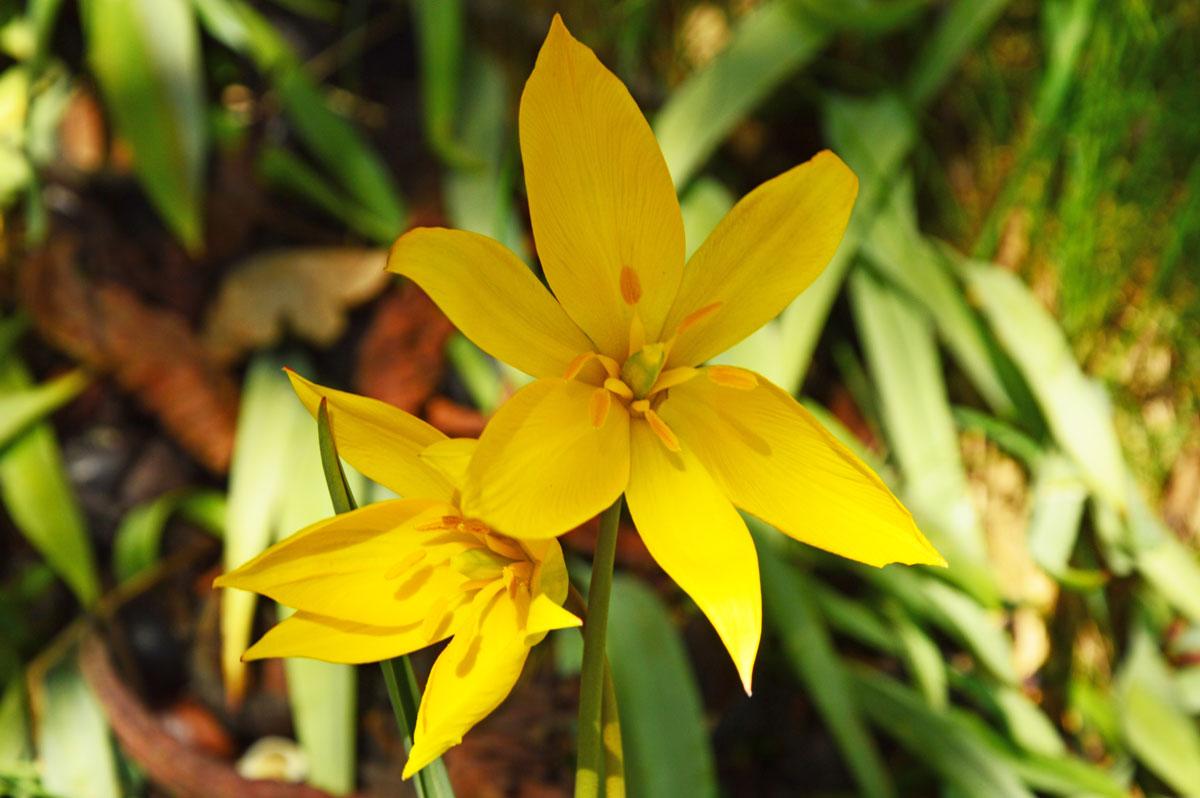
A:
765, 251
451, 457
545, 616
492, 297
698, 538
541, 468
776, 461
605, 219
471, 677
340, 567
380, 440
334, 640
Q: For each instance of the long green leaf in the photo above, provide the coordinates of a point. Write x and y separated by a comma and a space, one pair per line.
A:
772, 42
14, 725
904, 365
1076, 408
138, 539
145, 55
662, 723
39, 499
20, 408
439, 27
795, 618
961, 26
73, 738
1058, 500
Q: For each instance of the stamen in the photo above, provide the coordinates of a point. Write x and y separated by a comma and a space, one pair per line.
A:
660, 428
733, 377
598, 407
618, 387
672, 377
697, 316
445, 522
577, 364
631, 286
475, 527
504, 546
611, 367
640, 406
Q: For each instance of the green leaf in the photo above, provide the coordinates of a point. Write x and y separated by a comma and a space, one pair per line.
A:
270, 414
940, 739
667, 752
770, 43
145, 55
1058, 500
1158, 732
21, 408
39, 499
960, 27
73, 739
1076, 408
138, 539
907, 373
794, 616
439, 28
14, 725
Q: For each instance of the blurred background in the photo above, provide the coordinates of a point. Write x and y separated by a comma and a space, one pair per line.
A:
197, 192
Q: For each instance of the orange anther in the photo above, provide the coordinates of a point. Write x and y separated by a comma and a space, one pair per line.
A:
697, 316
631, 286
598, 407
618, 387
660, 428
576, 365
672, 377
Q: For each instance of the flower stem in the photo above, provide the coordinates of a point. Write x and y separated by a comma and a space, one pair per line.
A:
589, 762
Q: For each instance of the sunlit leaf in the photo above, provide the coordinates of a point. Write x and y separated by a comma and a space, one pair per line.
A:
73, 740
138, 539
145, 55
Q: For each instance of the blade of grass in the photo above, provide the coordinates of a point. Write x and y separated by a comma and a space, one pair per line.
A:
1058, 501
666, 745
795, 618
439, 30
14, 725
146, 57
37, 494
432, 781
960, 27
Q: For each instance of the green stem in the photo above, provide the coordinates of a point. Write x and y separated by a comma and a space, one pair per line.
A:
589, 763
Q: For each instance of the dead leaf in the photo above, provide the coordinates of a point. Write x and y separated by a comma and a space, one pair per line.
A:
453, 419
400, 359
151, 353
306, 290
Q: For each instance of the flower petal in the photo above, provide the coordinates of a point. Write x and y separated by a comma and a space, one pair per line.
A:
380, 440
335, 640
541, 468
765, 251
776, 461
605, 219
492, 297
698, 538
471, 677
451, 457
339, 567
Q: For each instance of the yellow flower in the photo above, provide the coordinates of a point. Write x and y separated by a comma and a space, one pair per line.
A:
394, 577
622, 402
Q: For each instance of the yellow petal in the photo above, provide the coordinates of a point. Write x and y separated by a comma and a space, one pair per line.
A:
605, 219
698, 538
541, 468
334, 640
492, 297
340, 567
451, 457
765, 251
471, 676
380, 440
776, 461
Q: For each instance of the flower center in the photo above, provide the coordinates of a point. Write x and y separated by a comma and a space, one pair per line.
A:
641, 369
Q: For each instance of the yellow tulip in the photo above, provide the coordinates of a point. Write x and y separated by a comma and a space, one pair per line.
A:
622, 402
397, 576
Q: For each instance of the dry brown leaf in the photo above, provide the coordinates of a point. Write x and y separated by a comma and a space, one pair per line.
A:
151, 353
400, 359
306, 290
